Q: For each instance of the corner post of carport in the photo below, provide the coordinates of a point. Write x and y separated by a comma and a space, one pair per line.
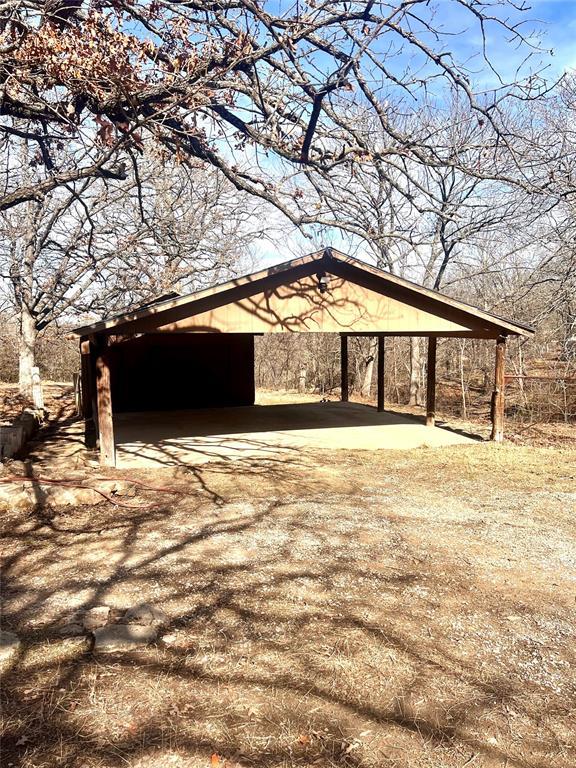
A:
431, 382
88, 407
344, 392
104, 402
498, 393
86, 383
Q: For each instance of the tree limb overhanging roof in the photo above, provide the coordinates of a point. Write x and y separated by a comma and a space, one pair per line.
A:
327, 259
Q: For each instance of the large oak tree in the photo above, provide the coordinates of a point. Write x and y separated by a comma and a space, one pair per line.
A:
259, 90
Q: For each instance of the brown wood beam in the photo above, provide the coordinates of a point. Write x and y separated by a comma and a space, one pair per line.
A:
85, 380
380, 373
431, 383
480, 334
88, 392
104, 404
498, 394
344, 392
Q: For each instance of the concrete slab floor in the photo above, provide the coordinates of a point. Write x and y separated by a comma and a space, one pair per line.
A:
180, 438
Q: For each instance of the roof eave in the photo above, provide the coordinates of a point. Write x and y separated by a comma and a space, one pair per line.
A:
105, 325
499, 324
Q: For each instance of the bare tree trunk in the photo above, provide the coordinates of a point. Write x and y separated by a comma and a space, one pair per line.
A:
26, 348
395, 372
521, 388
415, 369
25, 291
486, 382
463, 379
369, 368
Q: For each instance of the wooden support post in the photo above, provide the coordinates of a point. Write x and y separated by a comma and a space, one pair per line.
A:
86, 388
344, 394
431, 383
77, 389
380, 373
104, 400
498, 394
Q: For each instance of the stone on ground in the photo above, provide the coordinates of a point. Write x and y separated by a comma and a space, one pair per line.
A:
62, 496
9, 644
72, 629
145, 613
122, 637
96, 617
86, 620
15, 497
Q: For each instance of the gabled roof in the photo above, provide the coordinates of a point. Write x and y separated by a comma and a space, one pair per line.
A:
329, 260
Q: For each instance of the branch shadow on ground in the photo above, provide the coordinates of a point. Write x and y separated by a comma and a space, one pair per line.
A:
301, 638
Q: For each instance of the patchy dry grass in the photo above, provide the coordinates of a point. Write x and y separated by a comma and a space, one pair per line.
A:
394, 609
403, 609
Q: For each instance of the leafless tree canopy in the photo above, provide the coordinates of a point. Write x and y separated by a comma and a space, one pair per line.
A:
87, 247
134, 136
260, 96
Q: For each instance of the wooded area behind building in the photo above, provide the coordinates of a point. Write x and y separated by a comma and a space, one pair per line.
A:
130, 173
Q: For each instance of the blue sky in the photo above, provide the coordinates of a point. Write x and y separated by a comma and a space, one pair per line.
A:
559, 17
551, 23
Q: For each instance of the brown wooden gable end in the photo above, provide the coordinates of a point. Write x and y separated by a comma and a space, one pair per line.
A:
359, 299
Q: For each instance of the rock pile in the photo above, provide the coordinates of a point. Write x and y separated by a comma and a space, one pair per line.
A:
115, 630
15, 435
25, 494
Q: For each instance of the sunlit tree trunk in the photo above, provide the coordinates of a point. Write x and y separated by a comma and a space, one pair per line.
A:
415, 369
28, 332
26, 348
369, 368
462, 346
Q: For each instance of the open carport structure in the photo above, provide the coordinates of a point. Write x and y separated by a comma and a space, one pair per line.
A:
185, 354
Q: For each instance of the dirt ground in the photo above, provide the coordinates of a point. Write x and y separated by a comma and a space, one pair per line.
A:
400, 609
58, 400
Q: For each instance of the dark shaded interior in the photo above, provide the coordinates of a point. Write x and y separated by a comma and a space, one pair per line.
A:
166, 372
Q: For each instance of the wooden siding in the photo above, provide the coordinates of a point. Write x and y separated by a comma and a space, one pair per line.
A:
286, 298
300, 306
